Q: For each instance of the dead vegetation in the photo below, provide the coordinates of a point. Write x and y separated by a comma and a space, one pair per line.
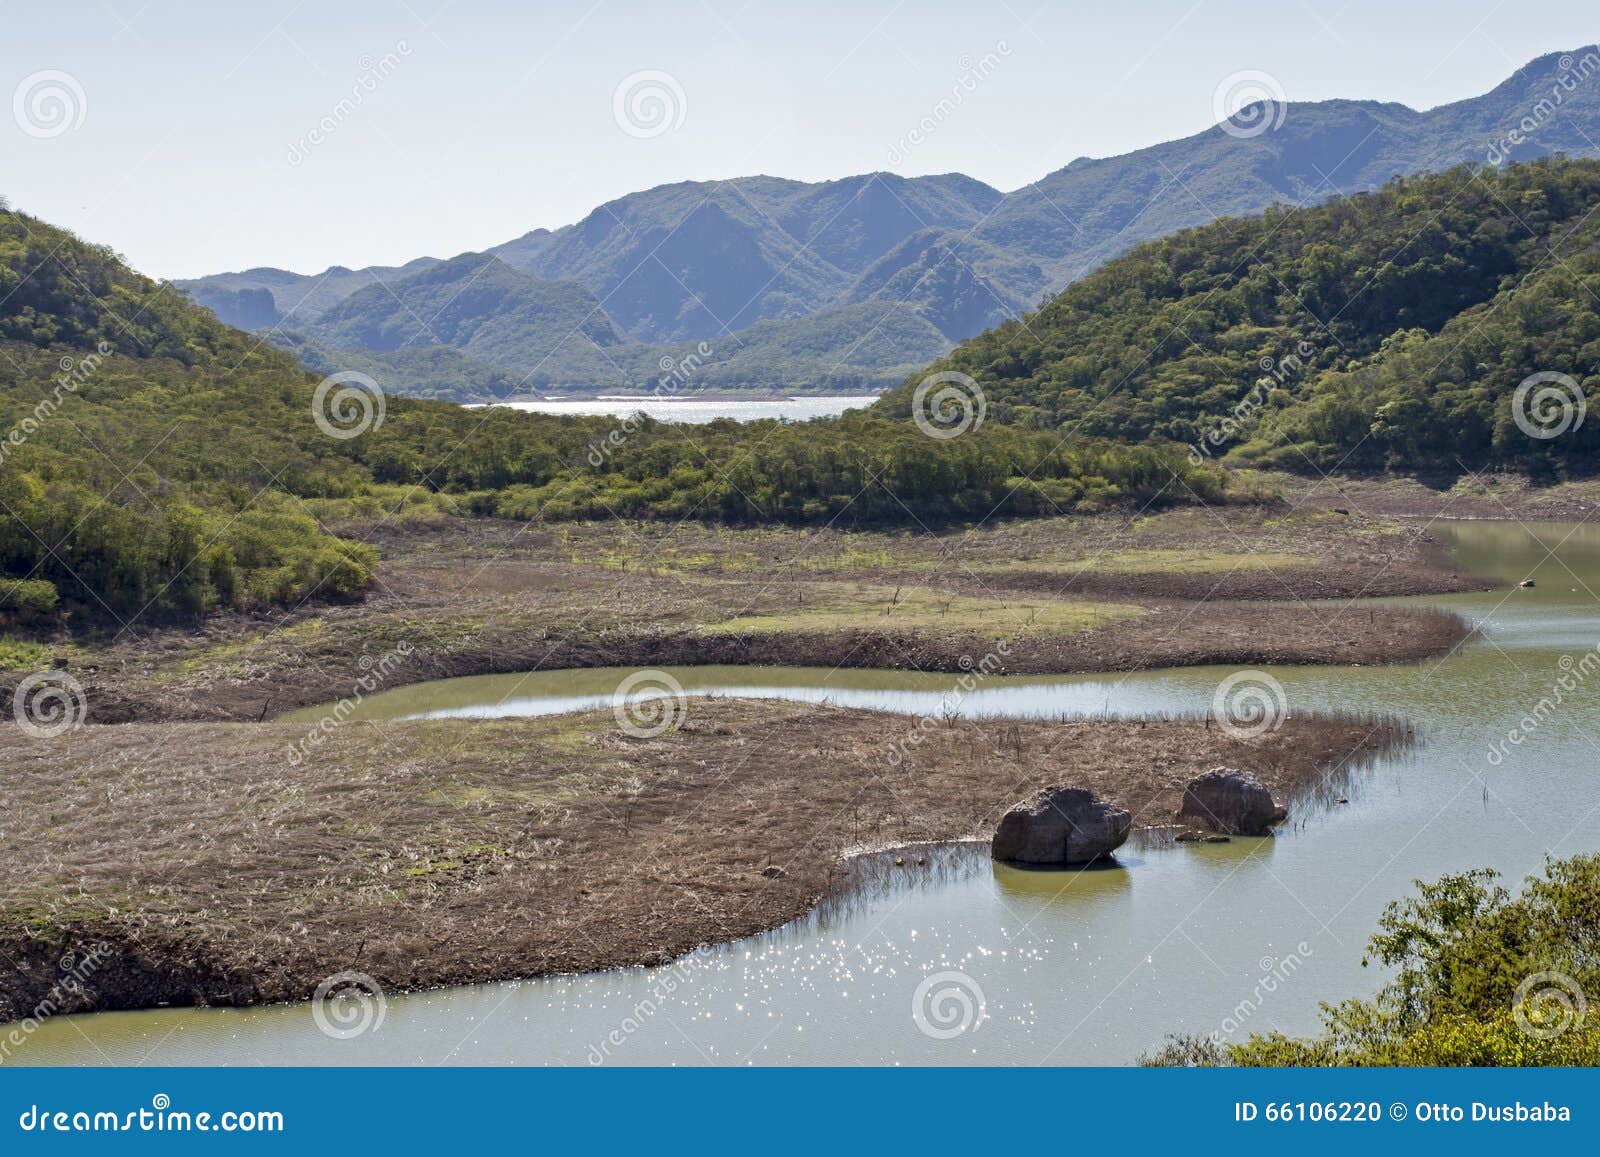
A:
220, 871
1241, 585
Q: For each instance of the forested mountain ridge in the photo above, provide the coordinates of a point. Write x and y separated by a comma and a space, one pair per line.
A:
155, 462
1387, 330
935, 259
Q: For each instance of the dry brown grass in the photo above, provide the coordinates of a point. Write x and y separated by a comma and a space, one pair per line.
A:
485, 597
447, 852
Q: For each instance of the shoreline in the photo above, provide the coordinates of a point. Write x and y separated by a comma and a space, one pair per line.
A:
1240, 586
458, 875
437, 853
1246, 635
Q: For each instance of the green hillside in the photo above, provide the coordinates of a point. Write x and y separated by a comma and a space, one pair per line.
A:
1384, 330
156, 463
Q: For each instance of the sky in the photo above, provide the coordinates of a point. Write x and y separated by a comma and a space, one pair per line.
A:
196, 137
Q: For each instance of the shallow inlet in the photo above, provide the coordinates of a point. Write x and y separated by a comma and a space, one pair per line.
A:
1074, 967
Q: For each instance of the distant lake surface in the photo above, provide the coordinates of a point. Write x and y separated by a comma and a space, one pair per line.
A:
696, 411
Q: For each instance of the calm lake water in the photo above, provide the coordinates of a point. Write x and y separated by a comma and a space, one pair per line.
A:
694, 411
1087, 967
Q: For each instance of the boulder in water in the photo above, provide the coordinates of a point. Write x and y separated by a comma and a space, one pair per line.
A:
1060, 825
1233, 802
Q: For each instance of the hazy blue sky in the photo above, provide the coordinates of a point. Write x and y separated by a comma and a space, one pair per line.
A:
188, 143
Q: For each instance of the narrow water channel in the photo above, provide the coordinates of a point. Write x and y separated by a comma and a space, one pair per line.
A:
1062, 968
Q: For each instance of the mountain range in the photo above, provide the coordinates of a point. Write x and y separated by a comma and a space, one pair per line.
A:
769, 284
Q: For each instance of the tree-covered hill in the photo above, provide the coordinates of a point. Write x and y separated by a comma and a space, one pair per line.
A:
155, 462
1383, 330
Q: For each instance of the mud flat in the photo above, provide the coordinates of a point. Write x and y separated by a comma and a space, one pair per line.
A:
201, 864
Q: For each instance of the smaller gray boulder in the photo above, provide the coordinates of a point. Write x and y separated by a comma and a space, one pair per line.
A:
1230, 801
1060, 825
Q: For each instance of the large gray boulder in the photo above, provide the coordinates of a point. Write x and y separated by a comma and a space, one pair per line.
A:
1060, 825
1230, 801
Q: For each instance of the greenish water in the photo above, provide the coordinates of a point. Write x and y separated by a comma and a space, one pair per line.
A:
1073, 968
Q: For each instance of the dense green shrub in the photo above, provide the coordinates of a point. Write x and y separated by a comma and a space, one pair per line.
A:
27, 600
166, 464
1387, 330
1482, 977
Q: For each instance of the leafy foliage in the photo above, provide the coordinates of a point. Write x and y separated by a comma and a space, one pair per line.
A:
1482, 977
1384, 330
852, 470
159, 462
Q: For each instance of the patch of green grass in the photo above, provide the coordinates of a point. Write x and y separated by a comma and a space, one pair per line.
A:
1162, 562
855, 606
433, 866
22, 653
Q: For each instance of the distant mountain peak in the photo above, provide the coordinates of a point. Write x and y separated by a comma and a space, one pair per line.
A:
766, 263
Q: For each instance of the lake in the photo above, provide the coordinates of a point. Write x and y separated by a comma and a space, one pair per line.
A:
959, 960
695, 411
